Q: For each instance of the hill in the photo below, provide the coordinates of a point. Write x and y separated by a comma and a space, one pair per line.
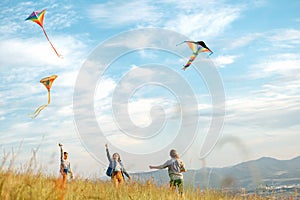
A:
249, 175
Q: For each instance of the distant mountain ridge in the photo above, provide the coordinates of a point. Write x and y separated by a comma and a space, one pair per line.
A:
250, 175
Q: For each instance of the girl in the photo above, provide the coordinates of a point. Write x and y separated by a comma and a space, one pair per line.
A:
117, 166
65, 166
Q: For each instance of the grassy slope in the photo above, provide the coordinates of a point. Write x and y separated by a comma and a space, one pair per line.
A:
27, 186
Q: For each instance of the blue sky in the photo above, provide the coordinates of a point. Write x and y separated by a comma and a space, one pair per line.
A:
256, 54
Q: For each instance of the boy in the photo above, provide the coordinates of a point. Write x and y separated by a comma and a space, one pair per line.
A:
175, 169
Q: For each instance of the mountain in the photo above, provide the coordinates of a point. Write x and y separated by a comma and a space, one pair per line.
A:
250, 175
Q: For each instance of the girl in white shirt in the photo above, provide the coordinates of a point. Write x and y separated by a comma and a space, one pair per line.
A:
65, 166
118, 170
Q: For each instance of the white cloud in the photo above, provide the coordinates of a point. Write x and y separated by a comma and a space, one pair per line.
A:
193, 18
120, 13
60, 15
265, 110
138, 107
270, 107
67, 78
243, 41
203, 24
259, 3
39, 54
104, 89
30, 52
140, 40
283, 65
222, 61
286, 35
139, 110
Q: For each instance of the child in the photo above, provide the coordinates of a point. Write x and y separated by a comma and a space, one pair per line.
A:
175, 167
117, 166
65, 167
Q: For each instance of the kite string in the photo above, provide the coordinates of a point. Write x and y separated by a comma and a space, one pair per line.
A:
180, 43
60, 56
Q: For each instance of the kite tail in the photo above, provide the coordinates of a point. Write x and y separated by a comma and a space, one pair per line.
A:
60, 56
39, 109
192, 58
185, 67
48, 97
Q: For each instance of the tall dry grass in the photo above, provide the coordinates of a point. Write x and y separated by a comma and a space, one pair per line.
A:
16, 186
27, 184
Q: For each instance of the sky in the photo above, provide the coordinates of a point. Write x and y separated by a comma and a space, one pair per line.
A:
120, 82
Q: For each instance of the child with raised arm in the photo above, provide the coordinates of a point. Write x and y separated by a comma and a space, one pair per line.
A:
117, 166
175, 168
65, 166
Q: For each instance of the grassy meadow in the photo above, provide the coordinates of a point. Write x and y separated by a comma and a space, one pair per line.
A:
15, 186
27, 184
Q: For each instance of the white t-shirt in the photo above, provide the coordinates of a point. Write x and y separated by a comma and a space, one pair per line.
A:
118, 166
65, 164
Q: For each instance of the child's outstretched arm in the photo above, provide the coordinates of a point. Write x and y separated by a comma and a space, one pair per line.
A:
61, 158
124, 171
154, 167
166, 164
61, 151
107, 153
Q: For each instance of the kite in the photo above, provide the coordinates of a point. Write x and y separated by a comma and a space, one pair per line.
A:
197, 47
38, 17
47, 82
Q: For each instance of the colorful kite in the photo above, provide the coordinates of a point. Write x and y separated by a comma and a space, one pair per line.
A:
197, 47
38, 17
47, 82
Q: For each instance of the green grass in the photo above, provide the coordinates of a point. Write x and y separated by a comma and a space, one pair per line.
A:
17, 186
